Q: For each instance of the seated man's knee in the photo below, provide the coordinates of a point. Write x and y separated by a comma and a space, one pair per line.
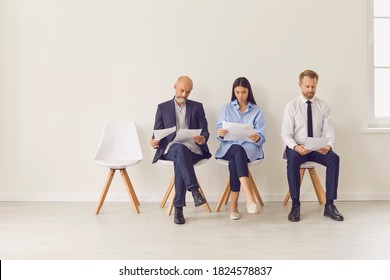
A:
180, 148
334, 158
293, 156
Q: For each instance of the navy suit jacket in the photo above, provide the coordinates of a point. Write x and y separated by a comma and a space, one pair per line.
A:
166, 118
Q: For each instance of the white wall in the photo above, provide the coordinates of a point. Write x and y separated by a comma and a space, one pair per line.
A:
66, 67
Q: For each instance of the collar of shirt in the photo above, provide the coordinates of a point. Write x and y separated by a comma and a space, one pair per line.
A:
234, 103
304, 100
179, 107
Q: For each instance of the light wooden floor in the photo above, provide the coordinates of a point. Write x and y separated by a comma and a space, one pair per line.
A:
71, 230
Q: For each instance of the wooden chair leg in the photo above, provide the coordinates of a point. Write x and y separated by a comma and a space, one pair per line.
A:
130, 187
254, 190
317, 186
206, 205
130, 190
287, 197
322, 194
171, 203
224, 198
105, 190
301, 175
227, 194
168, 192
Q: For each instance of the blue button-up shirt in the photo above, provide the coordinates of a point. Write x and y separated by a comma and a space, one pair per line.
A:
252, 115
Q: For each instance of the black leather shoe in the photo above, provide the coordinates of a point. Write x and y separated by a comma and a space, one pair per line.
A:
198, 199
295, 214
332, 212
179, 217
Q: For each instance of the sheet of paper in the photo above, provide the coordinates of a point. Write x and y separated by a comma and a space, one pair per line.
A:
238, 131
186, 135
315, 143
161, 133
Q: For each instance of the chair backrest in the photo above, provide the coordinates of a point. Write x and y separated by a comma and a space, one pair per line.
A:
119, 142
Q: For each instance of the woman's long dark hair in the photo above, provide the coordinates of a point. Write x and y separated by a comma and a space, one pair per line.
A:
243, 82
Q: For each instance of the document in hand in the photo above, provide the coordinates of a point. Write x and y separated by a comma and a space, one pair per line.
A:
238, 131
162, 133
186, 135
316, 143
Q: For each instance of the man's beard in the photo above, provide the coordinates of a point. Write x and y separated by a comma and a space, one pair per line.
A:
181, 99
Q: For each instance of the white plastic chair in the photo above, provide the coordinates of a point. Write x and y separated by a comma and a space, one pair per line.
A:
311, 167
253, 188
170, 188
119, 148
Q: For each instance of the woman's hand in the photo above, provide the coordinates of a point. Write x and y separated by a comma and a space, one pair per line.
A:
222, 132
254, 137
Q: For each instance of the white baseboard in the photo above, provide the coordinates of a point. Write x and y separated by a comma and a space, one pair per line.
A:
157, 198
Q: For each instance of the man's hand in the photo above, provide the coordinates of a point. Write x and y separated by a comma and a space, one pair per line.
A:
200, 140
324, 150
301, 150
154, 143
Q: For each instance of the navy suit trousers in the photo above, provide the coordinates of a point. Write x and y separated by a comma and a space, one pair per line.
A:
331, 161
185, 178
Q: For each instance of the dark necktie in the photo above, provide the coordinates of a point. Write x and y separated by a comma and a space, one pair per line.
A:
309, 120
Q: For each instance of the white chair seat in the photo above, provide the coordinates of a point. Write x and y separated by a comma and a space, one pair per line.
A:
226, 162
309, 164
116, 164
169, 162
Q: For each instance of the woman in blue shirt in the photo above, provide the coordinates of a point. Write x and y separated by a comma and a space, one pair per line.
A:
241, 109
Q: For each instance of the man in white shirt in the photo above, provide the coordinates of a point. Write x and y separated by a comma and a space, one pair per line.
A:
309, 116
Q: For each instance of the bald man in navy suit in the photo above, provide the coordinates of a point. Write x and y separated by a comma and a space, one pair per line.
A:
186, 114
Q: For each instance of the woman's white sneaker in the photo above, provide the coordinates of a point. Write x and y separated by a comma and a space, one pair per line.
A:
253, 208
235, 216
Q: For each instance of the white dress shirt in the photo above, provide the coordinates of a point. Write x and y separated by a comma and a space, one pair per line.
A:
294, 126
